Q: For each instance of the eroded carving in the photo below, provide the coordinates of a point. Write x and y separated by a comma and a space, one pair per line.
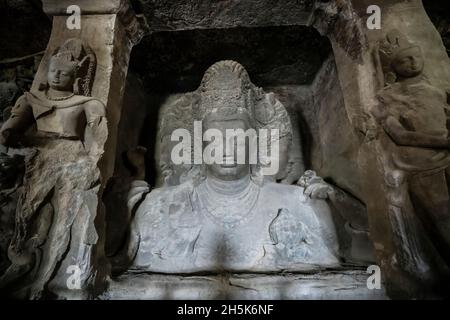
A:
11, 174
56, 210
351, 209
228, 217
339, 21
182, 111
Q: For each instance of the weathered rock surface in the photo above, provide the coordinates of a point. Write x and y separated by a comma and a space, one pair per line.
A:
329, 285
171, 62
184, 15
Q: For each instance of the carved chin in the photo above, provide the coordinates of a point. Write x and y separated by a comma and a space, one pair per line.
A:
415, 71
412, 72
60, 86
56, 86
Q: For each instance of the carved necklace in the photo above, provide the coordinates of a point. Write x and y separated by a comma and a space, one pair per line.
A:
225, 206
59, 98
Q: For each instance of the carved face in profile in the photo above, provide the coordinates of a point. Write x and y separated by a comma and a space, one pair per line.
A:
408, 63
230, 169
61, 76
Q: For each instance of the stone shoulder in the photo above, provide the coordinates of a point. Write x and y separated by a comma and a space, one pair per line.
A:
157, 203
283, 191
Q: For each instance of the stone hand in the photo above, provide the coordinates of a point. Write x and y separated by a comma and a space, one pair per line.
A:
315, 186
320, 190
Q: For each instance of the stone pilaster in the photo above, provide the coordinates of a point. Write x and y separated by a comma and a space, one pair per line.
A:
355, 48
110, 28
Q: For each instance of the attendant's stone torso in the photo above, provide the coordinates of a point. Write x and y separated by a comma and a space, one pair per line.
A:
65, 122
66, 118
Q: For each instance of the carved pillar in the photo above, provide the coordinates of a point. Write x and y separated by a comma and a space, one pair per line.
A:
110, 28
411, 267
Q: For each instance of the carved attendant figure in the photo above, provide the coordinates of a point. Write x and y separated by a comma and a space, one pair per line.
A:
54, 220
414, 114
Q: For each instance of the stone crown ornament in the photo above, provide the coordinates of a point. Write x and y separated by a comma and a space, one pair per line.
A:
226, 88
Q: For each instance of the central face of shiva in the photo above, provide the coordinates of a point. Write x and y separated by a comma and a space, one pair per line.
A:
229, 169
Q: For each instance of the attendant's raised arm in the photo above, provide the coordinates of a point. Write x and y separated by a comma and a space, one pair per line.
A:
404, 137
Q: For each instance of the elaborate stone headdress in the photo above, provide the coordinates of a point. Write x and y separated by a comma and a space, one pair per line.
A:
226, 89
82, 59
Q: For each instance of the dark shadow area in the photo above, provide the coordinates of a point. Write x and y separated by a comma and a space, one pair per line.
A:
438, 11
176, 61
25, 28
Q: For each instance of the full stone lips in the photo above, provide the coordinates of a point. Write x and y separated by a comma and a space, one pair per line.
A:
228, 162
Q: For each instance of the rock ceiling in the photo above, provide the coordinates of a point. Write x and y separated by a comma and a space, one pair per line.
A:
272, 55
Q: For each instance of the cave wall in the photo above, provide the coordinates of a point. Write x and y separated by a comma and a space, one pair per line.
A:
335, 145
25, 29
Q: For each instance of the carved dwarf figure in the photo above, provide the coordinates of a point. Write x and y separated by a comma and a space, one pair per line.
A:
414, 115
67, 128
229, 218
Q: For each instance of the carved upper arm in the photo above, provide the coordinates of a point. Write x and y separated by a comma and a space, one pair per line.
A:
379, 113
21, 116
395, 130
95, 110
393, 124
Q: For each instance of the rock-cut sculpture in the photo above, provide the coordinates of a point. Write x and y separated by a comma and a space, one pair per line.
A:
227, 217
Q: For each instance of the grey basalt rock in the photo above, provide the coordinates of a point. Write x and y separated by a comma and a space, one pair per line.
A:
230, 218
